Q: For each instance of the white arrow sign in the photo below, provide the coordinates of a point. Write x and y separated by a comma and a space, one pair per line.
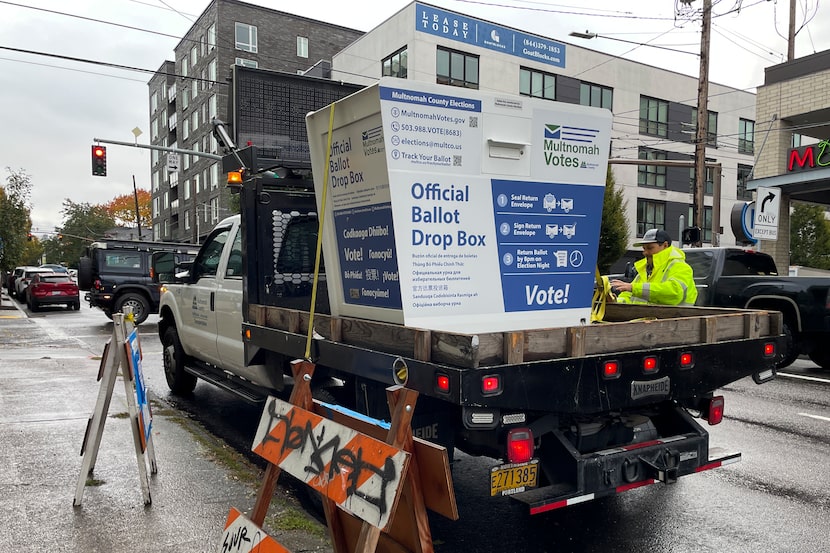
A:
767, 205
172, 162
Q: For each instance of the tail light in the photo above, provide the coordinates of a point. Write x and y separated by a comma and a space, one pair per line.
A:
97, 284
650, 364
715, 411
491, 385
519, 445
687, 360
442, 383
769, 349
611, 370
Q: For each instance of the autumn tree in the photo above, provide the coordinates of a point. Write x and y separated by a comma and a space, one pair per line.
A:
82, 224
15, 218
613, 232
122, 209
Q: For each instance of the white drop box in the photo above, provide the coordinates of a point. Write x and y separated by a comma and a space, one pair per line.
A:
459, 210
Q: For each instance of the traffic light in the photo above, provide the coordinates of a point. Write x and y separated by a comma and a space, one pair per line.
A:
691, 235
99, 161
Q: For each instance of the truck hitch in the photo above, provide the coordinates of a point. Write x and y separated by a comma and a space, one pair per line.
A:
664, 467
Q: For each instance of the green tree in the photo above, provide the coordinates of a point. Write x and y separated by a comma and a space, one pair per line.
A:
15, 218
809, 236
613, 232
82, 223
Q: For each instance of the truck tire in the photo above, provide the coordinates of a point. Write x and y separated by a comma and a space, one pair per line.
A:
821, 357
178, 380
790, 352
141, 308
85, 273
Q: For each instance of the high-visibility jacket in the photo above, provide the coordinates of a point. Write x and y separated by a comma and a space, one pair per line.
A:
671, 281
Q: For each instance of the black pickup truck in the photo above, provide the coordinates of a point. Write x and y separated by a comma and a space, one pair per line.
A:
744, 278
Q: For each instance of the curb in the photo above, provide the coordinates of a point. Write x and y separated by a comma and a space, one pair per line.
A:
9, 308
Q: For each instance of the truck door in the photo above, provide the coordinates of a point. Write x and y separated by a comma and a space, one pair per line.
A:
197, 300
229, 306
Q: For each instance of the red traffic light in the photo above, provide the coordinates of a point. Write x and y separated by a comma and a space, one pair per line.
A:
99, 161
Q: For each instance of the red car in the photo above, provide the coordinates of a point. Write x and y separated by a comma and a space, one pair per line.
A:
52, 288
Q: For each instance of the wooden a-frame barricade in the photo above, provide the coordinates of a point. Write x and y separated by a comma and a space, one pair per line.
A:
424, 476
119, 354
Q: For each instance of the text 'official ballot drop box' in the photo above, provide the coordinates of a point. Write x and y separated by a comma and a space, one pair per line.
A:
459, 210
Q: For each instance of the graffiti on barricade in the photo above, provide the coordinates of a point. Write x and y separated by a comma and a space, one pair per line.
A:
356, 471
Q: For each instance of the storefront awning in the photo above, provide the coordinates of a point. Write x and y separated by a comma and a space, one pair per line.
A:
808, 186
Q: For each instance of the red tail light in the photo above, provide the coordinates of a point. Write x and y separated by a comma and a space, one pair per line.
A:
611, 369
519, 445
442, 383
769, 349
97, 284
715, 415
650, 364
687, 360
491, 385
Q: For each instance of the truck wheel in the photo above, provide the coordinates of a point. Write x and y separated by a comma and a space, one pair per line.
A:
790, 352
141, 309
178, 380
821, 357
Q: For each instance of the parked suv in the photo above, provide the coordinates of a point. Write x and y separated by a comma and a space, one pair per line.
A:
117, 273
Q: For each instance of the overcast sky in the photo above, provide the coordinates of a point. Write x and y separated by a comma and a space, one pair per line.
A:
53, 108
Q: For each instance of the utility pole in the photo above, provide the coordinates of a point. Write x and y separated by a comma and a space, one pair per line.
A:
702, 118
137, 213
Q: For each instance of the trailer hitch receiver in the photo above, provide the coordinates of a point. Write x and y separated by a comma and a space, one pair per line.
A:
664, 466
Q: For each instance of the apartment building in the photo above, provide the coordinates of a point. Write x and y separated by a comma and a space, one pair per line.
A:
187, 93
654, 108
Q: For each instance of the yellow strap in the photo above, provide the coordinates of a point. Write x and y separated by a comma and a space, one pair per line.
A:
320, 218
602, 291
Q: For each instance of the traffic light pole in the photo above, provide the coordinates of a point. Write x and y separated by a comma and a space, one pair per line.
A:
158, 148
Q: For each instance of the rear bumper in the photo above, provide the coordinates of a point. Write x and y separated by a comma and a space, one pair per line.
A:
97, 299
57, 300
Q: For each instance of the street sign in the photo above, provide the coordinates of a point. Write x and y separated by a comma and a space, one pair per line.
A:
172, 162
767, 206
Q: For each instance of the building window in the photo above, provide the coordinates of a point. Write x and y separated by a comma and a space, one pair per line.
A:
187, 190
746, 136
796, 140
651, 175
743, 175
395, 65
537, 84
211, 36
596, 95
185, 129
711, 127
214, 209
211, 107
707, 222
154, 102
246, 63
709, 186
456, 68
212, 72
194, 118
187, 220
194, 56
650, 214
654, 116
302, 46
246, 37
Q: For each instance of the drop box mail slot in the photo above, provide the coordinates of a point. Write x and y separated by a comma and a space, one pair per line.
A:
459, 210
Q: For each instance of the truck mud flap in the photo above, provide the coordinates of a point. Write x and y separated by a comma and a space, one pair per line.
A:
617, 470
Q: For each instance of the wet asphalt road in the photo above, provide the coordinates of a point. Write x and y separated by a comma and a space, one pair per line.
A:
776, 500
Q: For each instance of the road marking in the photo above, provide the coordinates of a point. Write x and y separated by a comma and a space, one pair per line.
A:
802, 377
817, 417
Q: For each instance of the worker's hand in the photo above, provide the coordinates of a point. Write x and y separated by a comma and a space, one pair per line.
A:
620, 286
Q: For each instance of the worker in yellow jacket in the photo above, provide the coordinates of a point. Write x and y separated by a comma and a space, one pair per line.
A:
663, 276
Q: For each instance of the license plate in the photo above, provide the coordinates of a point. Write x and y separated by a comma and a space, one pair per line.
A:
56, 292
514, 478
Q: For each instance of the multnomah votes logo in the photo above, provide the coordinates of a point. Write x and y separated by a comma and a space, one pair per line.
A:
566, 146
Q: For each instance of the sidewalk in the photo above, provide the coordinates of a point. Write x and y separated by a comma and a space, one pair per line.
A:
47, 392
